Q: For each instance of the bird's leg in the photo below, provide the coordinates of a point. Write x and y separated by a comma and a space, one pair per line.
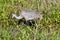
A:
31, 22
25, 23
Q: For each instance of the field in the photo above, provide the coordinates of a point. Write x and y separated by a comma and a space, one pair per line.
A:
48, 29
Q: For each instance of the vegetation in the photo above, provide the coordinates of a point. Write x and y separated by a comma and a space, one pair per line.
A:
48, 29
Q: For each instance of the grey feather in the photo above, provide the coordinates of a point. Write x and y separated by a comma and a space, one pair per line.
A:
28, 15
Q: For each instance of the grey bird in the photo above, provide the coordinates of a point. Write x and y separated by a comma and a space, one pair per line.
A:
28, 15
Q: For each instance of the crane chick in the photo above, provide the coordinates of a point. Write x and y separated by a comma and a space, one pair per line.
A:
29, 16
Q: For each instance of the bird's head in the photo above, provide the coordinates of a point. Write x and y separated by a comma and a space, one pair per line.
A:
13, 15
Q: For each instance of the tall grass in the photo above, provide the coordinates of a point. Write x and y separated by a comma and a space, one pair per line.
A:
48, 29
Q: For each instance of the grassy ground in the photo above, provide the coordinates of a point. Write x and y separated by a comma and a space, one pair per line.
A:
48, 29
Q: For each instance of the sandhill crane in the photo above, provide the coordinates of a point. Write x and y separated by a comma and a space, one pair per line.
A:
28, 15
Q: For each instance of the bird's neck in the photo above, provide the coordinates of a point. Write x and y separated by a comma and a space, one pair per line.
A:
18, 17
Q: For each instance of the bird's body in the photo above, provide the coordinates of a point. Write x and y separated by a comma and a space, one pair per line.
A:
28, 15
